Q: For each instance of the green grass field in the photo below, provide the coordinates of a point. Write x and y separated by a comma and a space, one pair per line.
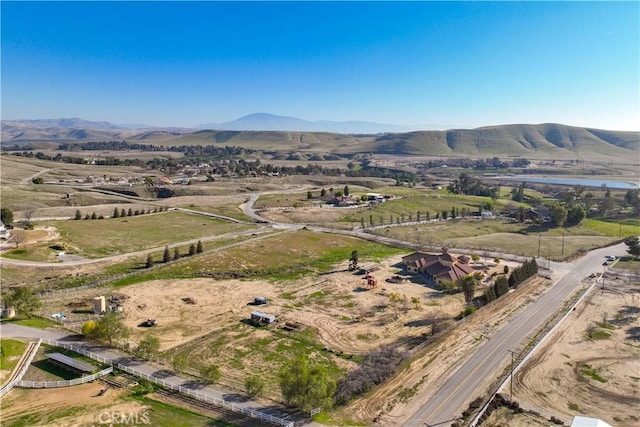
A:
281, 257
10, 353
508, 236
33, 322
99, 238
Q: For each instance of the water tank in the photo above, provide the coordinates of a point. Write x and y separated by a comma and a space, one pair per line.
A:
99, 305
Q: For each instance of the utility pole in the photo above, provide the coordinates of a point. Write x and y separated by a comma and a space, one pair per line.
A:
538, 244
511, 381
562, 244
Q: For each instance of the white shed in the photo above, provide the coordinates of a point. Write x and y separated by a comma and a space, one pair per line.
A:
588, 422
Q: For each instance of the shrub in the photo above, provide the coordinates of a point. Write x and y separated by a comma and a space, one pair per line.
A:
254, 385
89, 328
376, 367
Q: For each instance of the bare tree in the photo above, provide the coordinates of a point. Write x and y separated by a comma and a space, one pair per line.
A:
18, 237
28, 215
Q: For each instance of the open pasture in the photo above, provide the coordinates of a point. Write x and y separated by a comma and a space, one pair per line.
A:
283, 256
510, 237
404, 207
130, 234
15, 170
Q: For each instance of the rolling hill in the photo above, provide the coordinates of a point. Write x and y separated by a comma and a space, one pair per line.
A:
506, 140
542, 140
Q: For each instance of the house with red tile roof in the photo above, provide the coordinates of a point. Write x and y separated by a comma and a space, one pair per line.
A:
438, 267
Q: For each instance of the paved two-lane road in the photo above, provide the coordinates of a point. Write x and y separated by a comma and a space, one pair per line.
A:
474, 375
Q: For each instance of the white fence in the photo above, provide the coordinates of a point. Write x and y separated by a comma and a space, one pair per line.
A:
64, 383
23, 370
181, 389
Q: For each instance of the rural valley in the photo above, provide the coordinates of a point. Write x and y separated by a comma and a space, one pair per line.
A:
272, 277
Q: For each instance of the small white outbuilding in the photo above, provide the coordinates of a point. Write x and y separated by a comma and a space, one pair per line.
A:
588, 422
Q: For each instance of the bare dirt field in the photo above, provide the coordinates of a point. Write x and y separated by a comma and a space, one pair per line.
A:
591, 365
348, 316
343, 314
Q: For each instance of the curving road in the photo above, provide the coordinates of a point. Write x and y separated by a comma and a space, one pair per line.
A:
473, 377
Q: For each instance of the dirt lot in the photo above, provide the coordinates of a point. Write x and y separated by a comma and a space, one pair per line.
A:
591, 365
344, 316
348, 315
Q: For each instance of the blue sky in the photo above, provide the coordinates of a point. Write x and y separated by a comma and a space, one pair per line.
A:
431, 64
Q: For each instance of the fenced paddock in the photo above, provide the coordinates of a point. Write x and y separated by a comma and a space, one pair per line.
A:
65, 383
181, 389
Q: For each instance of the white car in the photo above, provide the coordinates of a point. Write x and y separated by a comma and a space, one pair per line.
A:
611, 258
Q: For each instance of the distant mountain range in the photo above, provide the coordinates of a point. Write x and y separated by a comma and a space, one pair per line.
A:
290, 134
272, 122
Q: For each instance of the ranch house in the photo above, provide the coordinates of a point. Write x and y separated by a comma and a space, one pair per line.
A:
437, 267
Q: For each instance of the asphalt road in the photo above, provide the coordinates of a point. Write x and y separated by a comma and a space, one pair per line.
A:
470, 380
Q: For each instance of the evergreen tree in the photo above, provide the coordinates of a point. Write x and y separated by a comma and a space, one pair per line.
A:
130, 212
501, 286
116, 213
176, 253
123, 213
166, 257
633, 246
192, 249
6, 215
149, 263
78, 214
199, 247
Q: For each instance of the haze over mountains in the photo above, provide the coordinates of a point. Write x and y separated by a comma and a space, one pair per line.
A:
270, 132
265, 121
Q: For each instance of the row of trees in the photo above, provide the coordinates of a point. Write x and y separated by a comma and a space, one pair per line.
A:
120, 213
521, 273
166, 255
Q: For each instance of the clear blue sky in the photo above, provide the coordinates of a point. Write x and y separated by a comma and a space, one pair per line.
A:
433, 64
